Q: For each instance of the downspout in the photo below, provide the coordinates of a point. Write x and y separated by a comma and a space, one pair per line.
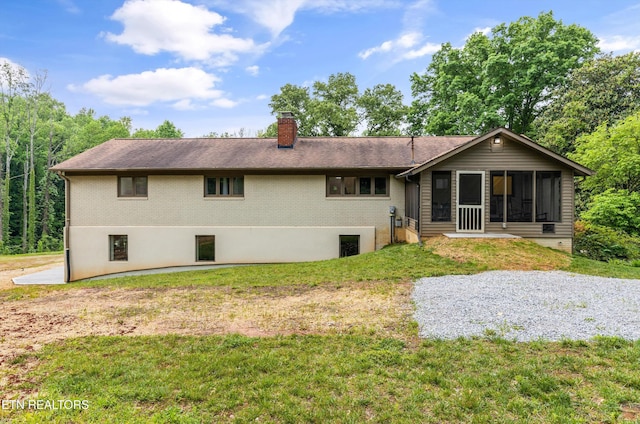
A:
392, 216
67, 223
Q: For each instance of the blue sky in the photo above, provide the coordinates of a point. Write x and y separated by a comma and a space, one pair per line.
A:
212, 65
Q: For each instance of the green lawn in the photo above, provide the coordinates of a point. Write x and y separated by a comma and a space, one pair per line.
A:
331, 378
342, 379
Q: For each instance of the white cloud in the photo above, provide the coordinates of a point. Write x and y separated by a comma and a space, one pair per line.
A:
184, 104
70, 6
403, 42
253, 70
484, 31
277, 15
406, 47
18, 71
425, 50
409, 44
351, 6
416, 13
262, 97
182, 86
224, 103
617, 43
154, 26
11, 63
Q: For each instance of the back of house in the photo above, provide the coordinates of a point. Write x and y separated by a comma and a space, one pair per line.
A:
136, 204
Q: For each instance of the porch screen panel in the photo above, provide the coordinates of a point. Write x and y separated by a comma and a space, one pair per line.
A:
441, 196
470, 190
520, 202
496, 203
412, 202
548, 201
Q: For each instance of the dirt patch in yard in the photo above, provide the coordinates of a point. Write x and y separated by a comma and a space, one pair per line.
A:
27, 324
371, 307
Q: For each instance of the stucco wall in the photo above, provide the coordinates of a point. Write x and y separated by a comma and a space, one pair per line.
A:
279, 219
164, 246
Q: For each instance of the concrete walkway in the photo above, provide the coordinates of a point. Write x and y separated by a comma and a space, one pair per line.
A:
56, 275
161, 271
481, 235
49, 276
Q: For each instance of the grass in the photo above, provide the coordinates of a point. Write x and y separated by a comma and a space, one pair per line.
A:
391, 264
499, 254
583, 265
394, 263
334, 379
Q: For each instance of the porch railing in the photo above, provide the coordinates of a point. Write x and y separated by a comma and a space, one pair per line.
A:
470, 218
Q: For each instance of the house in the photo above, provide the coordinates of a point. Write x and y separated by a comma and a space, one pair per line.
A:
136, 204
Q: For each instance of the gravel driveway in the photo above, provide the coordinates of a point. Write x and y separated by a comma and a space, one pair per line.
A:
527, 305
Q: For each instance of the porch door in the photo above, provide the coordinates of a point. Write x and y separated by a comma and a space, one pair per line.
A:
470, 201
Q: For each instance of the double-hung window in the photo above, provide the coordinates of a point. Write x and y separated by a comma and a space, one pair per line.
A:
338, 186
224, 186
132, 186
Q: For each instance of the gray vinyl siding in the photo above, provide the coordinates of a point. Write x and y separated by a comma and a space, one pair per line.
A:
513, 157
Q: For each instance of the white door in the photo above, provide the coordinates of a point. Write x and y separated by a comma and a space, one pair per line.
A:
470, 201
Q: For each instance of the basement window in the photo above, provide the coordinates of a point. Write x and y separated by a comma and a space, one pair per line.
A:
205, 248
349, 245
118, 248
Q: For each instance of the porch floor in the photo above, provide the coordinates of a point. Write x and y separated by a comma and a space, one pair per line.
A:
481, 235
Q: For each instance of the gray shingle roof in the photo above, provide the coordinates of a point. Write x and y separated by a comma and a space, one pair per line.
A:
260, 154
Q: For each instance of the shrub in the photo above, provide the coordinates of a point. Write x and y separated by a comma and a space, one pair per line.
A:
603, 243
618, 209
49, 244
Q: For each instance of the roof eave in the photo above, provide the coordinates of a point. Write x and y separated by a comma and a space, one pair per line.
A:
205, 170
577, 168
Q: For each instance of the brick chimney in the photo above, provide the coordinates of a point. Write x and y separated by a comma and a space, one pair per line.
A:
287, 130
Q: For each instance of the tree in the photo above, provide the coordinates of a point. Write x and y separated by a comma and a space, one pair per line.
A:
614, 153
452, 97
505, 79
89, 131
335, 108
168, 130
56, 134
382, 110
165, 130
335, 105
297, 100
35, 97
13, 84
605, 89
